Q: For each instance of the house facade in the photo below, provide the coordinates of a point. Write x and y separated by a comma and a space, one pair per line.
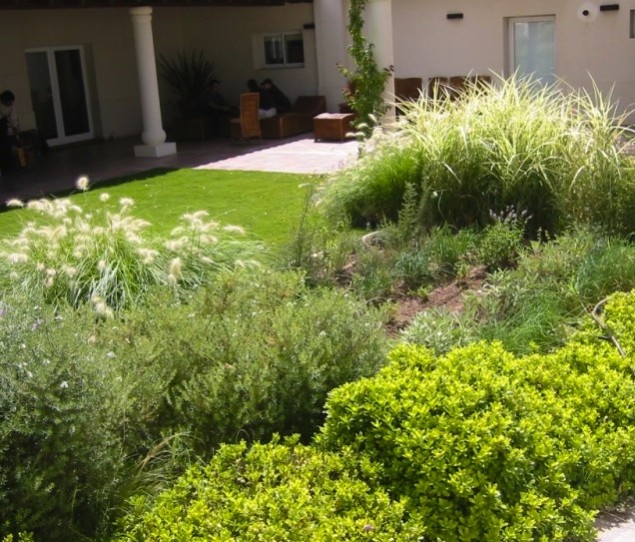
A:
75, 64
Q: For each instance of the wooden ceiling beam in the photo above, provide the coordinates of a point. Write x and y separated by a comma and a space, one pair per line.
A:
61, 4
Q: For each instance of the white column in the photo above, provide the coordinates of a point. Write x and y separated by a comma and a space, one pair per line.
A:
331, 37
379, 32
153, 135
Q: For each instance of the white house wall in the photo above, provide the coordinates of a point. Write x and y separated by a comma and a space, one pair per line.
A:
225, 35
427, 44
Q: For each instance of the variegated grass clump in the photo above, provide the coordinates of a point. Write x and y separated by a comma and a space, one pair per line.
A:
108, 258
555, 152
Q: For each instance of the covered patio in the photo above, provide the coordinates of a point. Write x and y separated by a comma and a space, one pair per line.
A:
58, 170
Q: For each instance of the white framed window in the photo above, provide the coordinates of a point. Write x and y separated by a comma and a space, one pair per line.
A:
532, 47
282, 49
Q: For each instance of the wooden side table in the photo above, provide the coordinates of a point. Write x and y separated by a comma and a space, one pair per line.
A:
332, 126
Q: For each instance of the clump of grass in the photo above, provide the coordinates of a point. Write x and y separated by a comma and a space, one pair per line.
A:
107, 258
556, 154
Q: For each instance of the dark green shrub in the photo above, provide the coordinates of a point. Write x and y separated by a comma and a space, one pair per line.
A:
284, 492
62, 425
487, 446
251, 354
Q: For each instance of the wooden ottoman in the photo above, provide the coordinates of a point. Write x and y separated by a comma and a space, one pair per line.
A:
332, 126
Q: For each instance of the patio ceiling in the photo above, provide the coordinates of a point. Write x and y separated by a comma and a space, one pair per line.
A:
56, 4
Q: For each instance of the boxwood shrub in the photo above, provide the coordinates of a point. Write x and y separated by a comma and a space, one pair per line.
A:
279, 491
485, 445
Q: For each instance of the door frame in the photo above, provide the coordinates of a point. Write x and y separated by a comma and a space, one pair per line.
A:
61, 138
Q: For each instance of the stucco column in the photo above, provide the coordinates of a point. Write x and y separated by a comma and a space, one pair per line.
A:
331, 38
379, 32
153, 135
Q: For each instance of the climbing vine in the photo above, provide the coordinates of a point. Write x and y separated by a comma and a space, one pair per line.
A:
367, 81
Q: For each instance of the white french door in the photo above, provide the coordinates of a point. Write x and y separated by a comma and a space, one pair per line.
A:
532, 47
59, 94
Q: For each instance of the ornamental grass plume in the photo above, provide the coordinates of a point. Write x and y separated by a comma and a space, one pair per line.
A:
108, 257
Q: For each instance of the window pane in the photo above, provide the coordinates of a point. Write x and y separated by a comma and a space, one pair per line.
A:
294, 48
534, 49
273, 50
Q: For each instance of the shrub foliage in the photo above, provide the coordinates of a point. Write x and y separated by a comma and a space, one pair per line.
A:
488, 446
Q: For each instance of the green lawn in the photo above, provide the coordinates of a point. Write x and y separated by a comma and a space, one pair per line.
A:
267, 205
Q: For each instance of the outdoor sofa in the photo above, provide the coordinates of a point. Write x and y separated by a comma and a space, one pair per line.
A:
296, 121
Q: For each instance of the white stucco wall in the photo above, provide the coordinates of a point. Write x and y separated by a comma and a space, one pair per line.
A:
224, 34
427, 44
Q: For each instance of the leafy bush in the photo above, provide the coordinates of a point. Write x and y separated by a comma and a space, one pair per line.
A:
487, 446
250, 354
105, 258
62, 425
282, 492
556, 155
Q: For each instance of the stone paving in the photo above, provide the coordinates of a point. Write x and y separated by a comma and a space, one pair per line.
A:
99, 161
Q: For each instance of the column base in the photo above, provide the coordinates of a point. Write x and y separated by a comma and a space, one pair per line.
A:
154, 151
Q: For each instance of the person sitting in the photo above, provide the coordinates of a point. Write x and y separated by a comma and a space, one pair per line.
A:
280, 100
9, 130
267, 105
219, 110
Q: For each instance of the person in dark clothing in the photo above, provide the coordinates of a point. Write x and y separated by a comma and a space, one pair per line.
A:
9, 136
267, 105
280, 100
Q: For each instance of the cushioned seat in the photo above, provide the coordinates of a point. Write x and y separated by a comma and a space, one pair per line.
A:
297, 121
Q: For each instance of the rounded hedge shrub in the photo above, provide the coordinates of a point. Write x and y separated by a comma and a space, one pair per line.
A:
283, 492
249, 355
488, 446
62, 414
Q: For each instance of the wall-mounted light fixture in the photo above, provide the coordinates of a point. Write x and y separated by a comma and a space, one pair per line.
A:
452, 16
609, 7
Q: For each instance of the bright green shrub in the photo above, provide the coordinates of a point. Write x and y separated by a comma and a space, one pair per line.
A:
487, 446
63, 413
250, 354
284, 492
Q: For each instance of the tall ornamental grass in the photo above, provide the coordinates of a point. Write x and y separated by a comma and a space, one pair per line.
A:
558, 154
107, 257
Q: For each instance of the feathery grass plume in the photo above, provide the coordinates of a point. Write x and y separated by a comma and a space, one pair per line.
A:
76, 257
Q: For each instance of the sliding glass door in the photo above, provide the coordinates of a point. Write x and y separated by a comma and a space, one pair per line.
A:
59, 94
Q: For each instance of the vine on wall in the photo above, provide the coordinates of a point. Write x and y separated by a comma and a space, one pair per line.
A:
367, 81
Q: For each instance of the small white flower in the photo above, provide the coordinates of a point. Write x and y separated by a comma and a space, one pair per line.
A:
64, 384
51, 272
104, 196
111, 355
175, 270
17, 257
82, 183
14, 202
126, 202
234, 229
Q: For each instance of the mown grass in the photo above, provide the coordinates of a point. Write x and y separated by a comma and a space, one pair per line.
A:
267, 205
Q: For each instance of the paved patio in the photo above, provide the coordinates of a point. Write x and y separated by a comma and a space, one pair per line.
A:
100, 161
